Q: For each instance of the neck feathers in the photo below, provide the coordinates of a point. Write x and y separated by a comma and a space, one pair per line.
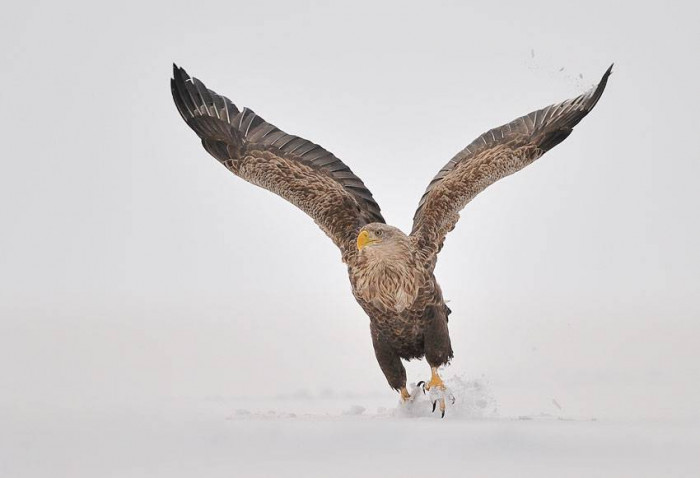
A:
387, 277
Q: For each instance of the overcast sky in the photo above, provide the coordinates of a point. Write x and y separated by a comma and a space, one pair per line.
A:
132, 264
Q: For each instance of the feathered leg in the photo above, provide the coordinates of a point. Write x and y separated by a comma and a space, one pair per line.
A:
390, 363
438, 351
436, 336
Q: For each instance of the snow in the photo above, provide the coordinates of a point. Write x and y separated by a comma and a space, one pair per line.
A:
335, 434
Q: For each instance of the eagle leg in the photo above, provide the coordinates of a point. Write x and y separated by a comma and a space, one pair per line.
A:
437, 391
389, 361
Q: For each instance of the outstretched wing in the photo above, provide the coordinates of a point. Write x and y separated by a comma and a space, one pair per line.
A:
493, 155
298, 170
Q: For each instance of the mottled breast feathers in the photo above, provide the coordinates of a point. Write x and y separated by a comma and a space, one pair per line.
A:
387, 275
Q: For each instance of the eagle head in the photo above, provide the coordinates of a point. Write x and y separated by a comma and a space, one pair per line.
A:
386, 274
378, 234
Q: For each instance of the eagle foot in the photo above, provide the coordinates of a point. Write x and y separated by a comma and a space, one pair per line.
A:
405, 395
437, 392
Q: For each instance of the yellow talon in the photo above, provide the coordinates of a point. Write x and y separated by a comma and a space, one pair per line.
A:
405, 396
437, 384
435, 380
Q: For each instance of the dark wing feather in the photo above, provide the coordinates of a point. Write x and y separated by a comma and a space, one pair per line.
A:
493, 155
298, 170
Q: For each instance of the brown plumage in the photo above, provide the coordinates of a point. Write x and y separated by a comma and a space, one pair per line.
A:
391, 273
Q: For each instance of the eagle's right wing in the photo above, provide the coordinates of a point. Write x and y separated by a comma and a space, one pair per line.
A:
493, 155
298, 170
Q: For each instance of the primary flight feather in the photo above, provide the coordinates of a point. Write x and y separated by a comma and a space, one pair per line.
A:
391, 273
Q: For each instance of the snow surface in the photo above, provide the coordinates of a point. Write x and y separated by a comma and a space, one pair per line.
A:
339, 435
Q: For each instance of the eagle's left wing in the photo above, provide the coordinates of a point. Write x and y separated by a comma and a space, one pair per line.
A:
493, 155
298, 170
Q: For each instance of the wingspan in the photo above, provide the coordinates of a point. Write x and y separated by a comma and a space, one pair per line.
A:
494, 155
298, 170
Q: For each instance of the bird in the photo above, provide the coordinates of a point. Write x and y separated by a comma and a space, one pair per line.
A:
391, 273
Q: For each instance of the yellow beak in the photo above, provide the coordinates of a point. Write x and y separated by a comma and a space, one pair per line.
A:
362, 240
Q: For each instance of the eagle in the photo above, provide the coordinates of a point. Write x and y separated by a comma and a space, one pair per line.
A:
391, 273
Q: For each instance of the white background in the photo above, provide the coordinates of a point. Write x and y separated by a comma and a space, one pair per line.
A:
136, 272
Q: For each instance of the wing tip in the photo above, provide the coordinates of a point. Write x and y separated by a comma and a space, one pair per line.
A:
597, 91
179, 74
606, 75
609, 70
